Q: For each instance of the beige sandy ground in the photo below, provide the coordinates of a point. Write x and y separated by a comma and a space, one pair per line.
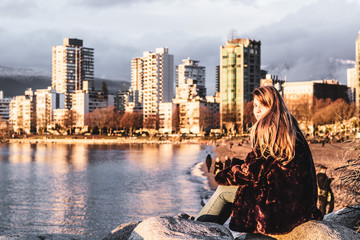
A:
331, 155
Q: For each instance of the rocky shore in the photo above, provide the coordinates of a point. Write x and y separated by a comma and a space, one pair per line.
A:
338, 225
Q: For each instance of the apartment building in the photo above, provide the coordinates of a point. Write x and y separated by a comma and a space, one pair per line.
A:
45, 102
168, 117
190, 80
357, 67
158, 80
22, 113
4, 107
240, 74
352, 82
72, 66
84, 102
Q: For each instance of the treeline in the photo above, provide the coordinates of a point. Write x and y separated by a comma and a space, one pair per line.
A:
109, 119
320, 112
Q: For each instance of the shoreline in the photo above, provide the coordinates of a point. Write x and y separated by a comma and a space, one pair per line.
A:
102, 141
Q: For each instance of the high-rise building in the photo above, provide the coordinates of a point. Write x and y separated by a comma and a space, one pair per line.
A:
158, 79
4, 107
72, 68
240, 74
357, 67
137, 79
352, 82
190, 80
217, 79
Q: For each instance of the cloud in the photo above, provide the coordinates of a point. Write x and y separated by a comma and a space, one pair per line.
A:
307, 40
111, 3
17, 8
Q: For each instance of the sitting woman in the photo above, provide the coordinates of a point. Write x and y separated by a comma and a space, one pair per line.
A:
275, 189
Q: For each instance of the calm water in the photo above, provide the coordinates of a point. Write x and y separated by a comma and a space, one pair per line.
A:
54, 190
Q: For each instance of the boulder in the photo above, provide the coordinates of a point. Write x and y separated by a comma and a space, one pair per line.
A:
320, 230
122, 232
168, 228
338, 225
348, 217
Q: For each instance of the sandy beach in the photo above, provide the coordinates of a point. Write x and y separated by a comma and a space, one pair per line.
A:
331, 155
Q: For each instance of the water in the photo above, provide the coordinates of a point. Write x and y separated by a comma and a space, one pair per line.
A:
85, 191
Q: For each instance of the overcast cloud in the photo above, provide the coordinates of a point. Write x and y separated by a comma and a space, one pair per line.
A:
302, 40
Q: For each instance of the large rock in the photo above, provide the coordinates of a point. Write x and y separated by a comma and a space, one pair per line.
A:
168, 228
122, 232
320, 230
335, 226
349, 217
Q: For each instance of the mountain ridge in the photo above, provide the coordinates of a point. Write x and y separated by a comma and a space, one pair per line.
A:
14, 81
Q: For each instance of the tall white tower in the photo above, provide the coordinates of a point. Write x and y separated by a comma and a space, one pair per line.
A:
158, 83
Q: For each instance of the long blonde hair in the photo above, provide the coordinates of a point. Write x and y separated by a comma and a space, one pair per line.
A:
274, 134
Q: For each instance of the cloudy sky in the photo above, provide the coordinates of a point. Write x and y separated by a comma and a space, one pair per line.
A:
301, 40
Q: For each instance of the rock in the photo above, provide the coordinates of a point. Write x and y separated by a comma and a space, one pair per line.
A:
122, 232
168, 228
348, 217
319, 230
338, 225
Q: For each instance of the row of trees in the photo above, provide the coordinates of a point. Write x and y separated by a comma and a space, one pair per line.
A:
320, 112
323, 111
109, 119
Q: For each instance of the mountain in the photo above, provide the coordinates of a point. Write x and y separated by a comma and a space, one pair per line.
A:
14, 81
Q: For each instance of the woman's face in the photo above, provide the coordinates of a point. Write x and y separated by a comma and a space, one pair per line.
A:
259, 109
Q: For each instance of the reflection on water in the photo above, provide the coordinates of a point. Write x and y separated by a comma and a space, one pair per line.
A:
90, 189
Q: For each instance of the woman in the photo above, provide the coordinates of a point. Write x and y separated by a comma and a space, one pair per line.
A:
274, 190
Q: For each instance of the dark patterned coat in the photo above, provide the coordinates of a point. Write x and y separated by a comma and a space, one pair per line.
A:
273, 198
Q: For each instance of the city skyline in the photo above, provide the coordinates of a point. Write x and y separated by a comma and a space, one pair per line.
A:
302, 41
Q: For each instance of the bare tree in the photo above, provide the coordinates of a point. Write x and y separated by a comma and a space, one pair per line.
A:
131, 121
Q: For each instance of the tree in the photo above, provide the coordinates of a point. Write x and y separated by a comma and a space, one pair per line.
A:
104, 89
69, 121
131, 121
97, 118
329, 112
206, 118
175, 119
301, 109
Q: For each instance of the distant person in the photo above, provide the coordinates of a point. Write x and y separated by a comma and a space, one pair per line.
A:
275, 189
208, 162
227, 161
325, 194
231, 144
218, 166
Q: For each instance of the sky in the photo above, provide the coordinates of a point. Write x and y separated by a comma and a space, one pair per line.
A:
300, 40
